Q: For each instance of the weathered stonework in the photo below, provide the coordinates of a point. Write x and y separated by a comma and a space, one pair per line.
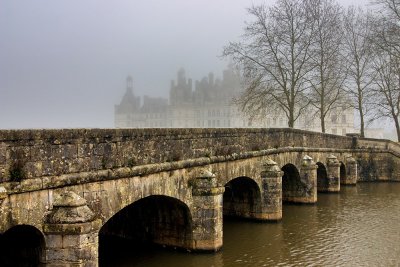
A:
271, 177
71, 233
351, 172
333, 173
207, 211
308, 177
111, 170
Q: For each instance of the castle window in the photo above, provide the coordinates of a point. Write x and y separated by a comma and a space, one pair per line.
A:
343, 118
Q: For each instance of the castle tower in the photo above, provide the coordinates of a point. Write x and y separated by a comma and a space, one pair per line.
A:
129, 84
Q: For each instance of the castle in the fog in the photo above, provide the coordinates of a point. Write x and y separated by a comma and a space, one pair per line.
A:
209, 104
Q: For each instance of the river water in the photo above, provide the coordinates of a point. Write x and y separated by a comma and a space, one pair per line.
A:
360, 226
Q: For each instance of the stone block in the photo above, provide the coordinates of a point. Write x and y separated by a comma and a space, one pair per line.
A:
71, 241
33, 169
41, 152
3, 151
85, 150
54, 241
70, 151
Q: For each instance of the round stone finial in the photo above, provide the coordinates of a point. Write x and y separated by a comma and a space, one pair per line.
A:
205, 173
269, 162
331, 157
69, 199
332, 160
3, 193
307, 161
350, 160
270, 166
70, 208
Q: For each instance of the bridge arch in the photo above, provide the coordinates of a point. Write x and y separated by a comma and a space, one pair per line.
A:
292, 187
242, 198
342, 173
156, 219
322, 177
22, 245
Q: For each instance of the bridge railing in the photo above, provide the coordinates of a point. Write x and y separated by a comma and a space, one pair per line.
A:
39, 153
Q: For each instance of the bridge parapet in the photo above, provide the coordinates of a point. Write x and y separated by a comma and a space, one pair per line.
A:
26, 154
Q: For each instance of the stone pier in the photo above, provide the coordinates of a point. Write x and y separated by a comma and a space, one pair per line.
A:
333, 173
308, 178
351, 172
207, 212
271, 191
71, 233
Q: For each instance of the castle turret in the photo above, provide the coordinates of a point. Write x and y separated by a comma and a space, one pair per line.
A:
129, 84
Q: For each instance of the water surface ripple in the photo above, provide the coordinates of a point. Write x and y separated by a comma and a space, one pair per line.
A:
358, 227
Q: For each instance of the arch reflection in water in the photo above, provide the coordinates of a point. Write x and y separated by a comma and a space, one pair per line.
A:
354, 228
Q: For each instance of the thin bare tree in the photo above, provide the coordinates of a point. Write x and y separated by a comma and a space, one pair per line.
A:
387, 26
328, 76
358, 56
386, 45
275, 58
387, 87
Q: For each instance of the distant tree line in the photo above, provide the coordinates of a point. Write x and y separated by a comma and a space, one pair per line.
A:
300, 56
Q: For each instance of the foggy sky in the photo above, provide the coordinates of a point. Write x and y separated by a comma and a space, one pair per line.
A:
63, 63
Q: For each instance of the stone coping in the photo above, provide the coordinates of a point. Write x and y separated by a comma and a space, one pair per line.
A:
52, 182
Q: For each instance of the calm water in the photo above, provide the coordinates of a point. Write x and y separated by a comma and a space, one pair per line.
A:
358, 227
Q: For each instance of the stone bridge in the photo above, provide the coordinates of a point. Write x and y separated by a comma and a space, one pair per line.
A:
64, 191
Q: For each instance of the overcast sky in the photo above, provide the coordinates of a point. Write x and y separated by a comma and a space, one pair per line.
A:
63, 63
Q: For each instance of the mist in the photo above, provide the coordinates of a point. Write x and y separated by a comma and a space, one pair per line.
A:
63, 64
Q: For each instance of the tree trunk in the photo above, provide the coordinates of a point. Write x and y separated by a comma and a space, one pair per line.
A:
360, 100
361, 123
396, 122
291, 121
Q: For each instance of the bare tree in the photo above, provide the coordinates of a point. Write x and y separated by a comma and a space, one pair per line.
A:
358, 56
327, 77
274, 58
386, 45
387, 27
387, 87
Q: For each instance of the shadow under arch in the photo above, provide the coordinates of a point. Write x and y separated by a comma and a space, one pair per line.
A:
342, 173
242, 198
153, 220
22, 245
292, 187
322, 178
